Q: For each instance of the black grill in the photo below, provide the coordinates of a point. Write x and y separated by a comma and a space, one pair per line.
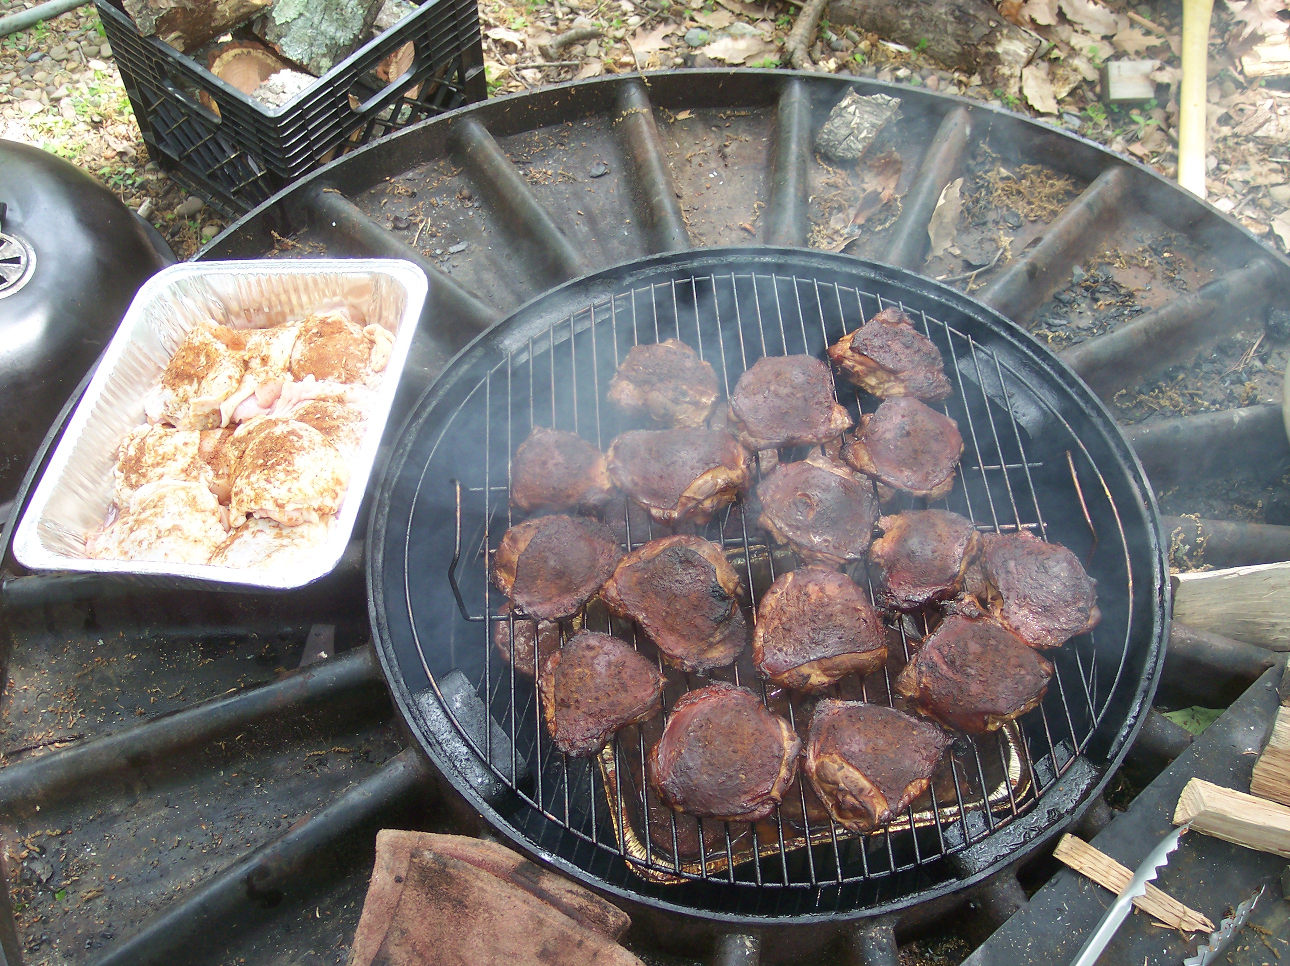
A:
1040, 455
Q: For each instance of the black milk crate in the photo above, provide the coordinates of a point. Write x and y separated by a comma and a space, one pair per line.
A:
240, 154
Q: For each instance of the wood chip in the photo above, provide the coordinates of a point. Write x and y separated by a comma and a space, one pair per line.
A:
1109, 874
1235, 817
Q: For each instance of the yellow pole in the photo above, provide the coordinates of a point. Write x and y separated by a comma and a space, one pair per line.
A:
1191, 95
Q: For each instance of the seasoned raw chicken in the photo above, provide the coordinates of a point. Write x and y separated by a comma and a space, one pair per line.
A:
666, 381
784, 401
203, 373
285, 471
868, 762
822, 509
682, 591
262, 543
593, 686
268, 367
921, 557
152, 453
974, 674
331, 347
1038, 589
679, 474
550, 566
723, 755
889, 357
178, 522
906, 446
814, 626
553, 471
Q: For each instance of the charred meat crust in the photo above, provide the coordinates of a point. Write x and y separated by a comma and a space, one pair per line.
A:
921, 557
786, 401
683, 593
666, 381
679, 474
888, 357
551, 565
867, 762
723, 755
814, 626
974, 674
524, 642
593, 686
907, 446
821, 508
1039, 589
553, 471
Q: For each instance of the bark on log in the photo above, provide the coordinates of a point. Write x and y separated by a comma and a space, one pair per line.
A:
316, 34
188, 24
967, 35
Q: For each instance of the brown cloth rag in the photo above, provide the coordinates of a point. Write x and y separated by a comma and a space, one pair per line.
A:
450, 900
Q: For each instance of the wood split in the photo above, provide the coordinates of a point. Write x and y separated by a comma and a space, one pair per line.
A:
1110, 874
1235, 817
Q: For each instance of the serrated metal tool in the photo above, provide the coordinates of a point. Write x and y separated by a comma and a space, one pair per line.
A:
1221, 937
1119, 909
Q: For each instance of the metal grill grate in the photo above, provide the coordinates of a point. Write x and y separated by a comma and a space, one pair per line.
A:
1027, 464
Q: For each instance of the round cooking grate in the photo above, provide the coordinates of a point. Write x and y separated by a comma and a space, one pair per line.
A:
17, 264
1041, 454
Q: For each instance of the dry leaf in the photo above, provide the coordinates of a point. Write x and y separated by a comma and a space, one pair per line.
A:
592, 68
740, 50
713, 19
1037, 86
1042, 12
1281, 228
885, 170
943, 224
683, 115
504, 35
1013, 11
1091, 16
646, 42
1134, 41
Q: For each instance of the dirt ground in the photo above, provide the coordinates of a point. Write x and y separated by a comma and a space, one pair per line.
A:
60, 88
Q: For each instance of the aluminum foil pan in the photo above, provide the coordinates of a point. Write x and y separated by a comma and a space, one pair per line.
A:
74, 494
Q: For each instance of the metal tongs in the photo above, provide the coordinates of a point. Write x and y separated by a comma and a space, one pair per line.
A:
1095, 945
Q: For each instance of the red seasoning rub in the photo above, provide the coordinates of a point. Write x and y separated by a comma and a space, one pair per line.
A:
723, 755
786, 401
593, 686
202, 374
814, 626
666, 381
921, 557
1038, 589
888, 357
974, 674
553, 471
550, 566
867, 762
332, 347
906, 446
683, 592
822, 509
286, 471
679, 474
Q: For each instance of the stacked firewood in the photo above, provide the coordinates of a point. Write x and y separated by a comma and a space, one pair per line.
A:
271, 49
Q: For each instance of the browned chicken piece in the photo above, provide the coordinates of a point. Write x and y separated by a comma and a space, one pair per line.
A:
553, 470
1038, 589
974, 674
332, 347
888, 357
679, 474
551, 565
786, 401
285, 471
723, 755
821, 508
666, 381
921, 557
524, 642
906, 446
682, 592
593, 686
868, 762
151, 453
170, 520
202, 375
814, 626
